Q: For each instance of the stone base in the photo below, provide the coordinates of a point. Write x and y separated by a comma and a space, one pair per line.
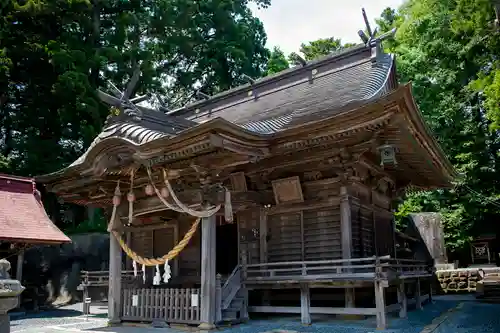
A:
204, 327
4, 323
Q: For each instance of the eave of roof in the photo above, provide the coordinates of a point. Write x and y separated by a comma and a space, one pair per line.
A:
22, 215
342, 119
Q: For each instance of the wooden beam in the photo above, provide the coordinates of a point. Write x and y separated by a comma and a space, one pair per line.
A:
263, 236
208, 273
193, 199
346, 234
314, 310
19, 266
115, 273
305, 304
149, 227
380, 305
418, 299
306, 205
402, 300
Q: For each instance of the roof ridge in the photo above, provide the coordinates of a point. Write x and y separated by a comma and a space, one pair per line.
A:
13, 177
341, 54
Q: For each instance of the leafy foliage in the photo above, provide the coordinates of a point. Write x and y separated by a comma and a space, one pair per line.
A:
320, 48
55, 54
277, 62
449, 51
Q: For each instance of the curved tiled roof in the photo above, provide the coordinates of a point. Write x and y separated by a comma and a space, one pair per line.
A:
312, 92
134, 133
306, 101
315, 91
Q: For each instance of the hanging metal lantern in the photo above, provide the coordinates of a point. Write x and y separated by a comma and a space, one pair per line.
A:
149, 189
116, 200
164, 192
387, 155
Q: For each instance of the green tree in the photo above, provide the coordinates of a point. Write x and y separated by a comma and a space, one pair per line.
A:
447, 49
277, 62
320, 48
54, 55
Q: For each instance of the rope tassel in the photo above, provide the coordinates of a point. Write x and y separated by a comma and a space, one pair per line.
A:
157, 278
228, 207
167, 274
134, 265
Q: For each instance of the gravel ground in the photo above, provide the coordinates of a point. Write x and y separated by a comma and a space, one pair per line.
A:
450, 314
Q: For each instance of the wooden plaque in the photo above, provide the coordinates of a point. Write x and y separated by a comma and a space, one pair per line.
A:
238, 182
287, 190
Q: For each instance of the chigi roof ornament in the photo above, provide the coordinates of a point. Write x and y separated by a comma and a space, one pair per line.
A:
121, 101
372, 40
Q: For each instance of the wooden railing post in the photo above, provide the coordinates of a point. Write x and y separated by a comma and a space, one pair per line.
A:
418, 298
218, 299
379, 296
402, 300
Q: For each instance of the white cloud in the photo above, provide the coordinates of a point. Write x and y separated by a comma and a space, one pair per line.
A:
289, 23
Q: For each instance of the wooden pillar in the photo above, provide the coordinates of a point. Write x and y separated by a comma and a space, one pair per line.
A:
208, 274
430, 291
115, 280
19, 272
176, 241
305, 304
266, 295
346, 232
19, 266
418, 299
128, 261
402, 300
244, 310
380, 305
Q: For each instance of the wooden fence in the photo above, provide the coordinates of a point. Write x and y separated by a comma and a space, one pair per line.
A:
341, 269
101, 278
179, 306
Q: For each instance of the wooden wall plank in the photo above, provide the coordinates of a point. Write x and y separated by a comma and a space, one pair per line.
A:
322, 234
285, 237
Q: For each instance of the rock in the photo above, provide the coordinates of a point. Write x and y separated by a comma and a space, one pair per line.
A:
55, 270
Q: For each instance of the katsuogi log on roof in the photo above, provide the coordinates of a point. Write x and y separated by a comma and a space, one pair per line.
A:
347, 99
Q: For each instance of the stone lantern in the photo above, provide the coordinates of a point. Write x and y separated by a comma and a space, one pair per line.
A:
9, 295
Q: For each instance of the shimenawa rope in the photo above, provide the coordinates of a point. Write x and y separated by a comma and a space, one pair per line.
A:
158, 261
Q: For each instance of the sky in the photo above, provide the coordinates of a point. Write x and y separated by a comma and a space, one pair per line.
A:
288, 23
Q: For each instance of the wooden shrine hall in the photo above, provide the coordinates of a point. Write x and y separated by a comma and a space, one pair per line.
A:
290, 178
